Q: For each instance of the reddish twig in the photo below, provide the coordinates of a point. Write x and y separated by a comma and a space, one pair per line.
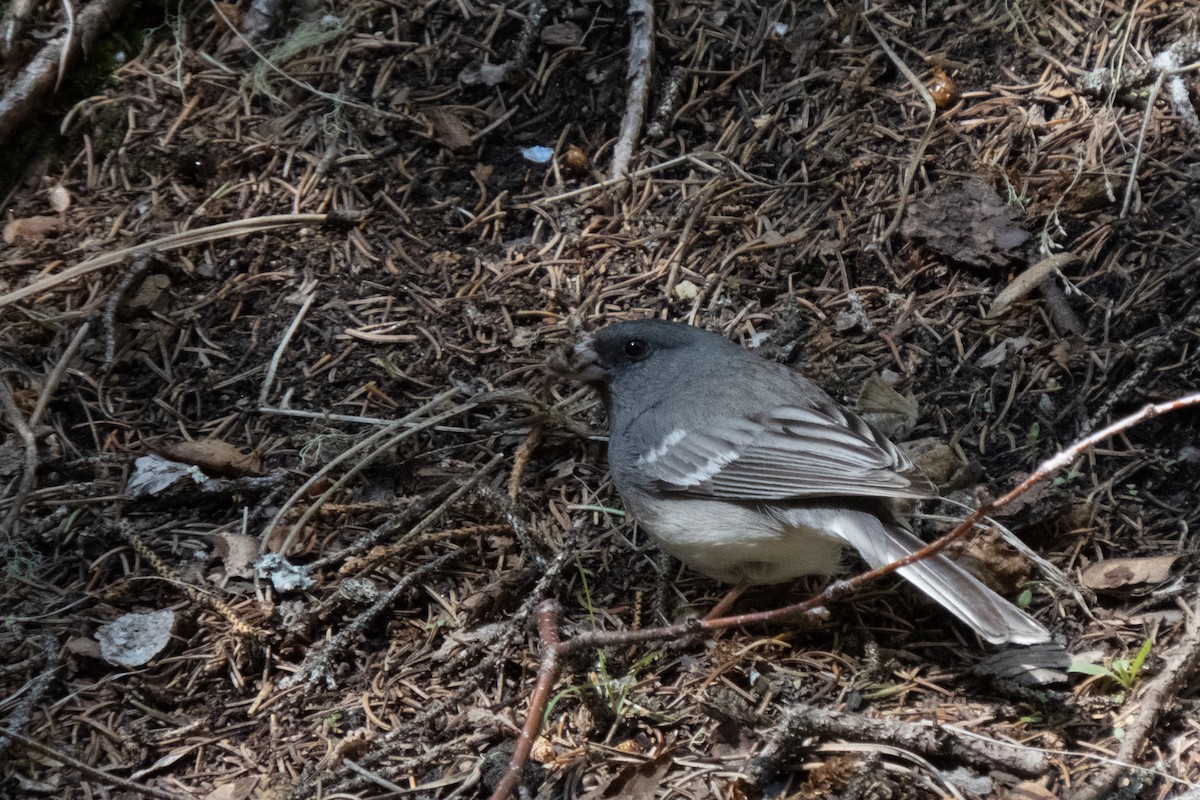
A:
811, 610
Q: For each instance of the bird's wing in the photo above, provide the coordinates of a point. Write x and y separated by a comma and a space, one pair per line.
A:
787, 453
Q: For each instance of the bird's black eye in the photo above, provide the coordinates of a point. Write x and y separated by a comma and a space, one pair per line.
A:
636, 349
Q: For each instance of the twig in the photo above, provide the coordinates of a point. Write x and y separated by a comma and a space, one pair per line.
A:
281, 348
317, 662
21, 715
19, 426
695, 159
336, 99
521, 459
198, 596
637, 74
471, 669
1151, 356
56, 374
25, 430
12, 26
24, 95
1137, 150
808, 611
139, 267
405, 541
64, 57
669, 95
1166, 68
319, 475
496, 74
1155, 697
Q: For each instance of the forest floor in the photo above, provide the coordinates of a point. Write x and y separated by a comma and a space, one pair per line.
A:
349, 344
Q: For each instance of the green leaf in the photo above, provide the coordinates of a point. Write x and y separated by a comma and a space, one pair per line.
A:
1140, 658
1024, 598
1085, 668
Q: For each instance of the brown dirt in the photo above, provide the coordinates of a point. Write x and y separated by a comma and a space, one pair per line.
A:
761, 209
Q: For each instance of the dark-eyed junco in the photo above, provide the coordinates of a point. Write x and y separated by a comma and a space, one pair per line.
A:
751, 474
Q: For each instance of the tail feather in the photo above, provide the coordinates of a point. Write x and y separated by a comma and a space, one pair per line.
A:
958, 591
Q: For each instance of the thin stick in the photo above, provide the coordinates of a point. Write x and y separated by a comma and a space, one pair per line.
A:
21, 428
379, 445
281, 348
641, 51
1137, 151
347, 454
56, 374
919, 153
175, 241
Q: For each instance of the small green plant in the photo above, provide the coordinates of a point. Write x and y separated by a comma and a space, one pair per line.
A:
612, 692
1122, 671
1070, 476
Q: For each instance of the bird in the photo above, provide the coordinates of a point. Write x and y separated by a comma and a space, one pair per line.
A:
751, 474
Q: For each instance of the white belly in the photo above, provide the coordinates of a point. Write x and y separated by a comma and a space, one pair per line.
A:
739, 544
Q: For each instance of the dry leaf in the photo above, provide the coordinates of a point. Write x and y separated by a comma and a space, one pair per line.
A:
1031, 790
238, 789
934, 459
30, 228
965, 220
562, 34
82, 646
885, 408
237, 552
1118, 573
996, 356
154, 294
994, 561
449, 128
215, 457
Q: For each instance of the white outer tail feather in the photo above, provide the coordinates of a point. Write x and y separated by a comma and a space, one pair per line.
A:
958, 591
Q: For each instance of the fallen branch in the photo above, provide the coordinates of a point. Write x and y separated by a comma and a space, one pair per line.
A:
927, 739
810, 611
641, 50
